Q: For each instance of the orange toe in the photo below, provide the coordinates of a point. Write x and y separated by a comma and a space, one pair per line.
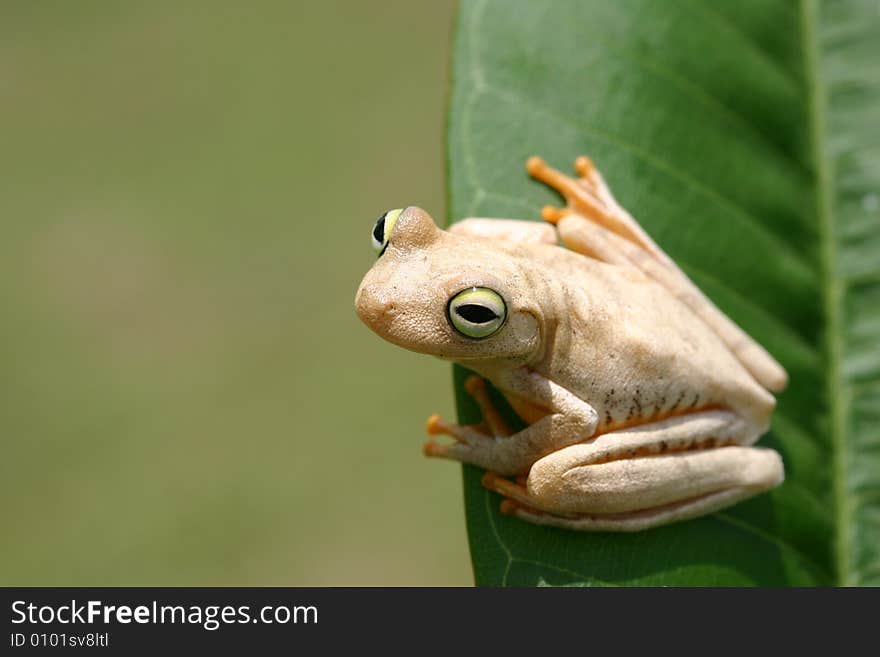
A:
434, 425
535, 164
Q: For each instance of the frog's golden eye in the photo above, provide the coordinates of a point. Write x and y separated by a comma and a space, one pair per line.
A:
477, 312
382, 230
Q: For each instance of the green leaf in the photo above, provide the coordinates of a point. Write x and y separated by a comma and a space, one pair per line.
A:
743, 136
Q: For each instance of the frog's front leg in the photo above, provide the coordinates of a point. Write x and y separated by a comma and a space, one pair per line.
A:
568, 421
492, 420
506, 230
642, 477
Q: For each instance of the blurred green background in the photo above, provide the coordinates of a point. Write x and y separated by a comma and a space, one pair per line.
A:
188, 397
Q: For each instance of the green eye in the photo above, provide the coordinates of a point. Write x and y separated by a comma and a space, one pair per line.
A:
477, 312
382, 230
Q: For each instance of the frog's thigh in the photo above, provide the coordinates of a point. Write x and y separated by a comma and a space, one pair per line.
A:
507, 230
644, 491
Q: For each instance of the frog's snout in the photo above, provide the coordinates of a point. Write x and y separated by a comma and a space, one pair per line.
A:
376, 308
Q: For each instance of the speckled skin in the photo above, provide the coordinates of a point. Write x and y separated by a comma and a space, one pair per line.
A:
615, 338
619, 380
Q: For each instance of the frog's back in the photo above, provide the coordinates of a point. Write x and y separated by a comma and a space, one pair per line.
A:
633, 351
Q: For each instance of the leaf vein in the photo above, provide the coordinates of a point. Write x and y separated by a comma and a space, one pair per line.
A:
780, 543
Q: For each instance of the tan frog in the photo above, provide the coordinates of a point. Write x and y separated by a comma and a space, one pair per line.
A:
642, 398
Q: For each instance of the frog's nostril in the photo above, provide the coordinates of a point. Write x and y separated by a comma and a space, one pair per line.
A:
388, 311
368, 302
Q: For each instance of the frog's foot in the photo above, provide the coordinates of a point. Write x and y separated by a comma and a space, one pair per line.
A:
514, 491
469, 439
625, 522
590, 197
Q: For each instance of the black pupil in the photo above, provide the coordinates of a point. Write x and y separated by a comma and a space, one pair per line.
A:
379, 230
475, 314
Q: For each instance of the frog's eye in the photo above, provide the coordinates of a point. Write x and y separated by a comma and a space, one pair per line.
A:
382, 230
477, 312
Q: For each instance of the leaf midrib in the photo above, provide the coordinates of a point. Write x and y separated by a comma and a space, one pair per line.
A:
831, 286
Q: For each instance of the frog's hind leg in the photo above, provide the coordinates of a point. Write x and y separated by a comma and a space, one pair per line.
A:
642, 477
629, 522
593, 223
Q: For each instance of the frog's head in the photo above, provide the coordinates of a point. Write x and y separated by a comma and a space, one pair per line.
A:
441, 294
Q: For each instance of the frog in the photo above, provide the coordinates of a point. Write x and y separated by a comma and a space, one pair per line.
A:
641, 400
